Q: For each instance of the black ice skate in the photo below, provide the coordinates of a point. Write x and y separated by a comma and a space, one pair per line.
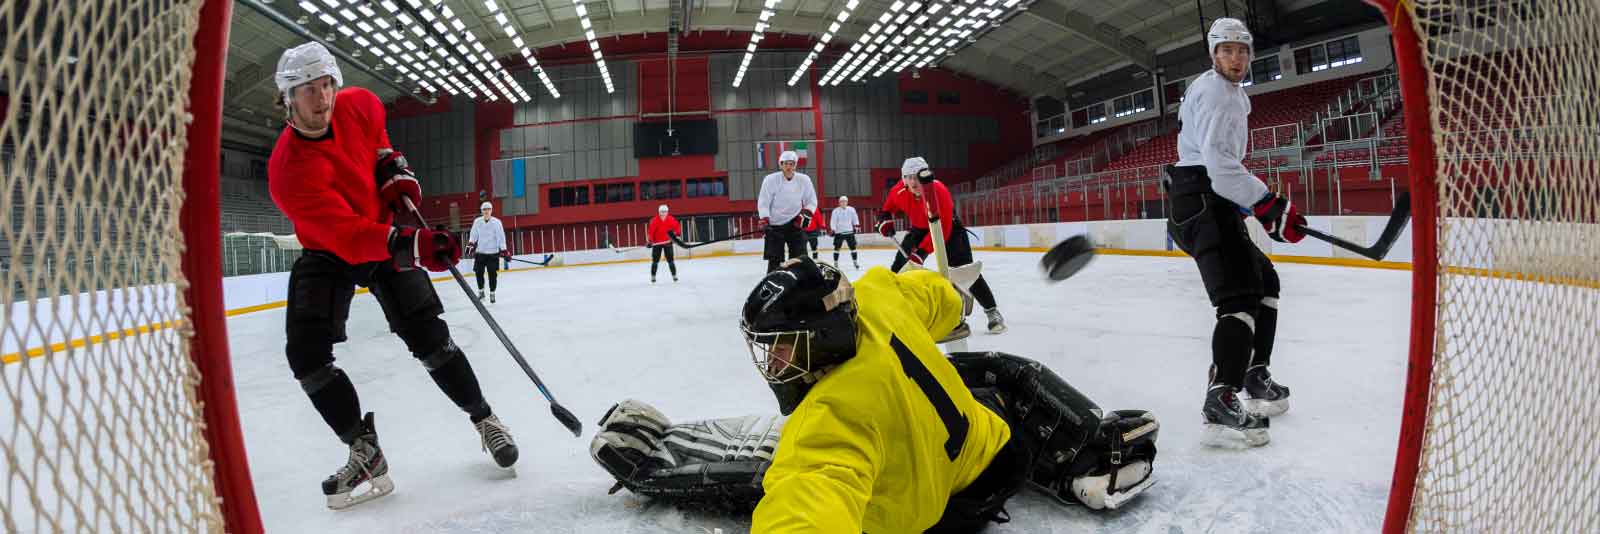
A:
961, 331
1227, 424
997, 323
1265, 396
366, 465
491, 297
497, 441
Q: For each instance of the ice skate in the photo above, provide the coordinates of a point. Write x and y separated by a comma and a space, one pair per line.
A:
480, 293
674, 278
858, 264
491, 297
1265, 397
496, 439
1227, 424
366, 465
997, 323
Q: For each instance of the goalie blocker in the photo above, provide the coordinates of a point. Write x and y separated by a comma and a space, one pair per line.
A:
1070, 448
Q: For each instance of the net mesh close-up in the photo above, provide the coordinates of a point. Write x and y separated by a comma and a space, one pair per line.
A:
101, 429
1511, 444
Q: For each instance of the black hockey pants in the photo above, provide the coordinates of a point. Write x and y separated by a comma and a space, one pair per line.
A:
321, 286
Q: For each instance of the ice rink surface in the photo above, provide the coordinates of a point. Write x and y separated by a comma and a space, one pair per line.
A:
1129, 332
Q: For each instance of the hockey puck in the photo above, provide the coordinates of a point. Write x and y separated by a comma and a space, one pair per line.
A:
1067, 258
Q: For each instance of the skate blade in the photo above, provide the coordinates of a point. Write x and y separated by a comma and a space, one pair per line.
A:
1120, 497
377, 487
997, 331
1269, 408
1227, 437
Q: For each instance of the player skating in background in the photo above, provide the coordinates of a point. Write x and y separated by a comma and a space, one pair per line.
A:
843, 224
660, 231
917, 192
1210, 190
813, 234
786, 204
487, 245
334, 174
884, 433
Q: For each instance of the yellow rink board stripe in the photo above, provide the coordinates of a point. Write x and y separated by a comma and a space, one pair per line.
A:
1311, 260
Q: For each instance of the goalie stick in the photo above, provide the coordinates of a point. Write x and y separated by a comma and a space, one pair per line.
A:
560, 412
1391, 231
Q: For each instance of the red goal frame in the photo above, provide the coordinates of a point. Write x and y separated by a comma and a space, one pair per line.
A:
1413, 76
200, 222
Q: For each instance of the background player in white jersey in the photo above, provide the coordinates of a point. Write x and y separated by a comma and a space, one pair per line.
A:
843, 224
1210, 190
487, 244
786, 204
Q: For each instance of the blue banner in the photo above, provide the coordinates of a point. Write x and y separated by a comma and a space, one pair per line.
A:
518, 177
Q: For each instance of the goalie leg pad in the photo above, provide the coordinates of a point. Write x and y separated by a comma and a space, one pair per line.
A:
1067, 435
715, 462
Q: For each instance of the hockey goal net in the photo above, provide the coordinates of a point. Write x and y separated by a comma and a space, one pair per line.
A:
118, 413
1501, 431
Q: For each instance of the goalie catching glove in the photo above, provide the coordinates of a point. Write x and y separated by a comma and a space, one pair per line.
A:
716, 462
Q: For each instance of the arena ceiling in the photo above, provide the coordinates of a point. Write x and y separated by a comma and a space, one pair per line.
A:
1033, 48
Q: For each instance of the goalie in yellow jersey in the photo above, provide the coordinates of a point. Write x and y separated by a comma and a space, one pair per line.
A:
883, 432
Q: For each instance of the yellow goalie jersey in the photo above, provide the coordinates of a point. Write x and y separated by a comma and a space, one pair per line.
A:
880, 443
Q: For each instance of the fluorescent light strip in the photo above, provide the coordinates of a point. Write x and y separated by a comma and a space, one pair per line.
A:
594, 44
756, 35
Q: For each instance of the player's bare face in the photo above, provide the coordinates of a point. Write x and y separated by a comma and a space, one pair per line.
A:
912, 184
1231, 60
788, 168
313, 103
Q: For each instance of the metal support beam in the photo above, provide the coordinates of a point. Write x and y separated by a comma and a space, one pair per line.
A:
1084, 27
299, 30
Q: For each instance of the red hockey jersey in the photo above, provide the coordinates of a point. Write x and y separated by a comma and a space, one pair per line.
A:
656, 230
900, 200
326, 187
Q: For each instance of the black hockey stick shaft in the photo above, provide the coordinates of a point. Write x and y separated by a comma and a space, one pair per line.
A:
560, 412
1391, 232
531, 262
680, 242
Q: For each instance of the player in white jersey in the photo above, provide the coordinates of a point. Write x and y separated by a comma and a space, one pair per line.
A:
1211, 190
843, 225
487, 244
786, 204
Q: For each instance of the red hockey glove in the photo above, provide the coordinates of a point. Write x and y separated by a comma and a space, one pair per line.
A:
886, 228
917, 256
434, 250
395, 181
505, 253
1279, 218
764, 222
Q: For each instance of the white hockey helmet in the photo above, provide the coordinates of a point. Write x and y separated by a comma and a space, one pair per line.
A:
485, 206
843, 199
915, 166
1229, 30
302, 64
662, 209
789, 155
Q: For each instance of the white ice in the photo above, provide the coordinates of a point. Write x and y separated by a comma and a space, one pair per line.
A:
1130, 332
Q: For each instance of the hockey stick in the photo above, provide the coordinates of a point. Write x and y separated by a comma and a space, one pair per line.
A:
1391, 231
547, 258
561, 413
680, 242
624, 249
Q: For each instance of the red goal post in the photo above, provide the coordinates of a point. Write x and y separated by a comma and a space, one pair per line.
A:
1497, 431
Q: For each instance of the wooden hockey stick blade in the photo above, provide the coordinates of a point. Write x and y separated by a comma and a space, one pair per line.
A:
1391, 232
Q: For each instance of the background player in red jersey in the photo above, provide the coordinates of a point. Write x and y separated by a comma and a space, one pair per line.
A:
660, 230
334, 174
917, 188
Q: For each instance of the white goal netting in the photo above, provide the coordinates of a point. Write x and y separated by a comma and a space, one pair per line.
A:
101, 425
1512, 436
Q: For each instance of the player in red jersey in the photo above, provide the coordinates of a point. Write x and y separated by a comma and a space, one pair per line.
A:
917, 188
334, 174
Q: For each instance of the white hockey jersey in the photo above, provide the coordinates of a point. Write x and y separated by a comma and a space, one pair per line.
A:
1216, 130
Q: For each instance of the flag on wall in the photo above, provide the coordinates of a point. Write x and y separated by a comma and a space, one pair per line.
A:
767, 156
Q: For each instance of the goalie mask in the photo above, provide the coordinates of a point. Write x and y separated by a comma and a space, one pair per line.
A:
799, 320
